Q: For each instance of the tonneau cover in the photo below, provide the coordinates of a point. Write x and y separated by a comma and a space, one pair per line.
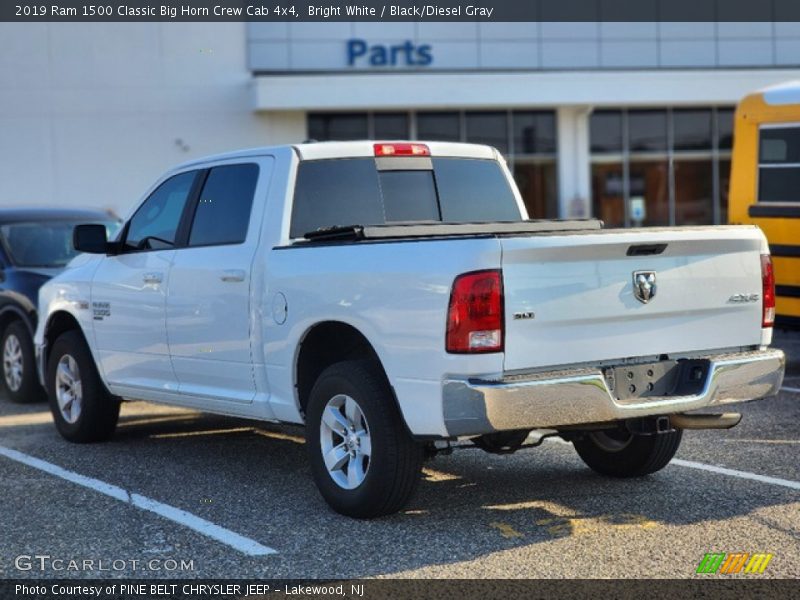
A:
437, 229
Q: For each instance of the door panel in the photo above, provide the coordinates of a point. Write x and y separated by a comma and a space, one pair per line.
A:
208, 319
129, 324
209, 304
129, 291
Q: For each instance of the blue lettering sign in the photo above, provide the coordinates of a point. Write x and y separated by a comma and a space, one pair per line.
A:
407, 54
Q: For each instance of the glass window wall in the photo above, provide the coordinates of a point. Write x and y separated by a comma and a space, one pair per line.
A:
654, 167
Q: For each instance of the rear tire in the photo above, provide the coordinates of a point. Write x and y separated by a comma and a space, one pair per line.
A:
618, 453
373, 464
19, 365
82, 408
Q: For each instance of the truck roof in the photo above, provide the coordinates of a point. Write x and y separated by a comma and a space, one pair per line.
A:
351, 149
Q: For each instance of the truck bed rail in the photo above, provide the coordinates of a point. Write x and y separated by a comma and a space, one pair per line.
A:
437, 229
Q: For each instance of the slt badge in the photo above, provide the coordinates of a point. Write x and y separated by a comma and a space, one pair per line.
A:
644, 285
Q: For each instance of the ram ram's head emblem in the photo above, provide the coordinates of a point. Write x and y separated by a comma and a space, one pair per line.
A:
644, 285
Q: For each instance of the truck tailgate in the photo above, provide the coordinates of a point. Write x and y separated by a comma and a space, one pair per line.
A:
571, 298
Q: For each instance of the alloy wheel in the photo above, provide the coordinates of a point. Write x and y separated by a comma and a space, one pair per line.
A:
69, 390
345, 442
13, 363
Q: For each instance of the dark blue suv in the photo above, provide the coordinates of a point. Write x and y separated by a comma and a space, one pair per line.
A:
35, 245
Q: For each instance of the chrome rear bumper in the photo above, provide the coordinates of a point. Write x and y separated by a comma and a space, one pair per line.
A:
581, 396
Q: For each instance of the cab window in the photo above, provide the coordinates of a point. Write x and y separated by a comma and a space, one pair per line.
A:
223, 209
155, 224
352, 191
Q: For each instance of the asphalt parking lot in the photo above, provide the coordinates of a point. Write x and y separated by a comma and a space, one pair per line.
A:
170, 474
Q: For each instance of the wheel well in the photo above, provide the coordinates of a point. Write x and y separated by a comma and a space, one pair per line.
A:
9, 316
59, 322
323, 345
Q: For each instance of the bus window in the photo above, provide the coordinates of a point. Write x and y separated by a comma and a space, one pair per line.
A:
779, 164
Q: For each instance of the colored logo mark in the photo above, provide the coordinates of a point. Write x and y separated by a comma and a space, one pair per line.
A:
735, 562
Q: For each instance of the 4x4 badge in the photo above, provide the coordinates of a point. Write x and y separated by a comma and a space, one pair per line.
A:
644, 285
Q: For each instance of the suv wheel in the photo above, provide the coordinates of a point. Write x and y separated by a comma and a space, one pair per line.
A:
82, 408
19, 365
619, 453
363, 460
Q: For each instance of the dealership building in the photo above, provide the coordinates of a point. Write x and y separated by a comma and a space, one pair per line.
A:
628, 122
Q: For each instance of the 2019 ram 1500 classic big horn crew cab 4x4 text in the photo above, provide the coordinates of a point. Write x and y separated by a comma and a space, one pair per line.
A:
394, 298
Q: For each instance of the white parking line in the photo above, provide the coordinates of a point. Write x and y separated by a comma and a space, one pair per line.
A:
193, 522
794, 390
794, 485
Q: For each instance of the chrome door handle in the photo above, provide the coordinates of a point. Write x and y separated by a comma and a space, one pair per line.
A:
153, 277
232, 275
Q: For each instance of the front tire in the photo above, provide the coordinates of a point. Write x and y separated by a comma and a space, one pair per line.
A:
363, 459
618, 453
82, 408
19, 365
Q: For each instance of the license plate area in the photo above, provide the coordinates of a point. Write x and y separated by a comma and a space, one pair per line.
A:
661, 379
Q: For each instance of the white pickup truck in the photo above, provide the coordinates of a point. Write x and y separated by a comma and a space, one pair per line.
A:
395, 299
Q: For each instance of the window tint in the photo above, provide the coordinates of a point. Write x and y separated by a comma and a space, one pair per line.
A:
352, 191
473, 190
335, 192
156, 222
409, 196
223, 210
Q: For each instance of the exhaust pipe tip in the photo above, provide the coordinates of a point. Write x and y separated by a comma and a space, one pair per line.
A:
723, 421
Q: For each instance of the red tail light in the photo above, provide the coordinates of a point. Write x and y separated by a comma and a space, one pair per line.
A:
767, 291
401, 150
475, 316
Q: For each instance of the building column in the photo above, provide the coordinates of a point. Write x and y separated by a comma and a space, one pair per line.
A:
574, 181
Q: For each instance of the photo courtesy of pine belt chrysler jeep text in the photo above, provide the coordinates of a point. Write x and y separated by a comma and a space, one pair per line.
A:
395, 299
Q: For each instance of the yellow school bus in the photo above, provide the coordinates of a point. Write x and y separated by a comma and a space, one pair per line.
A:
765, 184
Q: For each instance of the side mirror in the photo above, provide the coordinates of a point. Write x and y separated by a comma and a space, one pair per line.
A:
90, 238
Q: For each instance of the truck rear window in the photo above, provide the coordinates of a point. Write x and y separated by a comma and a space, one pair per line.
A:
352, 191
